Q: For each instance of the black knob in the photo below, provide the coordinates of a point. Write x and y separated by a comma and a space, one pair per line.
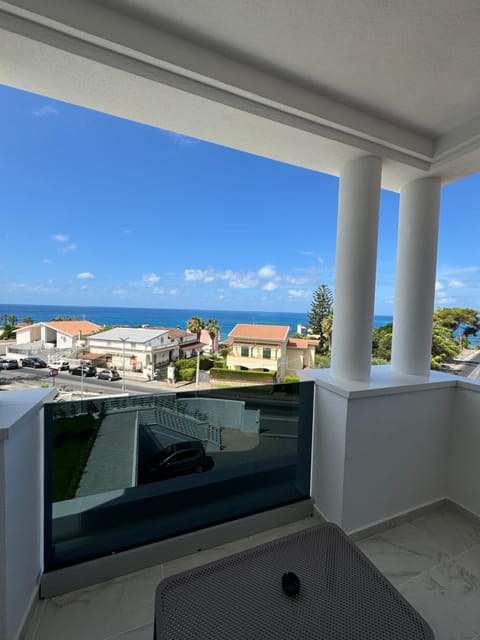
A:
290, 584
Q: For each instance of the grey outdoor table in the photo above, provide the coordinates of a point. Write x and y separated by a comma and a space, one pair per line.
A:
342, 595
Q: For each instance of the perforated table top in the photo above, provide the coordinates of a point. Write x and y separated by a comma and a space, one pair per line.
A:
342, 596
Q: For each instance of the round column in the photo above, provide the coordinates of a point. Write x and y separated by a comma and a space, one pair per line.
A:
355, 266
415, 276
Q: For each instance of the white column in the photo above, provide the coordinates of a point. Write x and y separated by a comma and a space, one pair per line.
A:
415, 277
355, 265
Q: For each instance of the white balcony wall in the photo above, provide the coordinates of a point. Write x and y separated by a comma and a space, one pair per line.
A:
396, 454
464, 463
383, 448
21, 505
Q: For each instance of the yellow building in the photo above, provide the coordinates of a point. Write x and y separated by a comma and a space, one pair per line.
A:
265, 347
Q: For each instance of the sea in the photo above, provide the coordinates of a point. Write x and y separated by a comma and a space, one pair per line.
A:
132, 316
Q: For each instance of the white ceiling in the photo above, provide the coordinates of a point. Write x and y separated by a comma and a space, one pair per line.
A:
310, 82
414, 62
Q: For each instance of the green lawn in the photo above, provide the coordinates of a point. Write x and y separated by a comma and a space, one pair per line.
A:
73, 439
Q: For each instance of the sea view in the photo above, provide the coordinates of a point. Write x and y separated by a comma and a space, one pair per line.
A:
132, 317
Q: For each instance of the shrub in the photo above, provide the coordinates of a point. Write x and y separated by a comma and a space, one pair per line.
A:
291, 379
241, 376
322, 361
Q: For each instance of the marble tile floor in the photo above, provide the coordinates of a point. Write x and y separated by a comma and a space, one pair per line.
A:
433, 560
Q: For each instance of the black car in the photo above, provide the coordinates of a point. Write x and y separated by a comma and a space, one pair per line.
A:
36, 363
8, 364
84, 370
178, 459
108, 374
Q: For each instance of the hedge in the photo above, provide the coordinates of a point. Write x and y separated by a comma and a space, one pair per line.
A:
241, 376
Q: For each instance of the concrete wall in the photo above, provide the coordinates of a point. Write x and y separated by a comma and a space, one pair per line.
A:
221, 413
328, 453
464, 463
21, 506
396, 454
381, 449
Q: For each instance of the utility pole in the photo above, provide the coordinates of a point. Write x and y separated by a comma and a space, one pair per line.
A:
124, 340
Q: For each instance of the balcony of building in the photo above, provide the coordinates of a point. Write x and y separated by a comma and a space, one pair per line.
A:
373, 95
394, 463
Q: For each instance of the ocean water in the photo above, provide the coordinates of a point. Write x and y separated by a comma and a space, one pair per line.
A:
161, 317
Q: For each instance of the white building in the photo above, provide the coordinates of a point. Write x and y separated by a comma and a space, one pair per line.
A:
59, 334
133, 349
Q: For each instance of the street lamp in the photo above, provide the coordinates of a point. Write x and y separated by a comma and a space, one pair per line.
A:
124, 340
197, 376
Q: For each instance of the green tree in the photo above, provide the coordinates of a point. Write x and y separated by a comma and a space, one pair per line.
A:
28, 320
444, 346
382, 342
195, 325
9, 326
213, 329
322, 307
458, 318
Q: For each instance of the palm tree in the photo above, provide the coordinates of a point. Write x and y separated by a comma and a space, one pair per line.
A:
213, 329
195, 325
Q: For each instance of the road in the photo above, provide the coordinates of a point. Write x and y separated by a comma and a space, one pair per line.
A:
469, 367
27, 377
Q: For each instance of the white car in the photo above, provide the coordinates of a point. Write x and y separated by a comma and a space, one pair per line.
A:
61, 365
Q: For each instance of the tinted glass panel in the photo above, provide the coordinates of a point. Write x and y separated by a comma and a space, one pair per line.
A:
244, 450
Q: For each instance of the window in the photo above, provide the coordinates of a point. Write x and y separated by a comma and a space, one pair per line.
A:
267, 353
245, 352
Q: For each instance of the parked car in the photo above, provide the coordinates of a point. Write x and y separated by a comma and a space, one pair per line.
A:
8, 364
86, 370
178, 459
108, 374
36, 363
61, 365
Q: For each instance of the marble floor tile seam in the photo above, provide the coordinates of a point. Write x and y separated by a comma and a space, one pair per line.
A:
130, 629
437, 566
35, 621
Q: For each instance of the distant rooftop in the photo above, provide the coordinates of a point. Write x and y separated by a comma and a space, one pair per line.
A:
301, 343
70, 327
130, 335
260, 331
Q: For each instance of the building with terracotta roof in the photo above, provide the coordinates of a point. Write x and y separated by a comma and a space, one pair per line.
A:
56, 334
267, 347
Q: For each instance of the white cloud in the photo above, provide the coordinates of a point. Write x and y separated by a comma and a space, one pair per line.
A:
298, 293
244, 281
120, 292
195, 274
149, 279
45, 110
268, 271
456, 284
85, 275
438, 286
61, 237
295, 280
70, 247
270, 286
320, 259
47, 261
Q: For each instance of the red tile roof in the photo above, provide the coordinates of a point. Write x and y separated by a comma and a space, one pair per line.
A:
301, 343
74, 327
260, 331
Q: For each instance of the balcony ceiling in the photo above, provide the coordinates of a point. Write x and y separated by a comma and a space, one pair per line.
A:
310, 83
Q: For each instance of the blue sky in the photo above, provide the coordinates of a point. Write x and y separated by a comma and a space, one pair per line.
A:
101, 211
